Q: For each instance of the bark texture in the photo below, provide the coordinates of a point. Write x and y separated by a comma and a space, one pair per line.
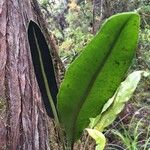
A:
59, 67
24, 126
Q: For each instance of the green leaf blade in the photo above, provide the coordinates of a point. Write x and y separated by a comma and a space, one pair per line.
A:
95, 75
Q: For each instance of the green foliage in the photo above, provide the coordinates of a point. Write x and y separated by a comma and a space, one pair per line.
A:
145, 35
78, 33
98, 137
115, 105
95, 75
43, 2
134, 136
77, 30
145, 44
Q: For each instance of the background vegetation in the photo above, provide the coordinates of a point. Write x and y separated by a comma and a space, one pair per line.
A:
73, 24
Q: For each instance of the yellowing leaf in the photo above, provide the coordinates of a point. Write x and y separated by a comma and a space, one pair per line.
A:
98, 137
115, 104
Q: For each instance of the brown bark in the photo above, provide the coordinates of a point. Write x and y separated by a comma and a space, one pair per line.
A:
24, 126
2, 73
59, 67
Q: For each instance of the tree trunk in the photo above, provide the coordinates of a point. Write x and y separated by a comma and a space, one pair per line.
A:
24, 124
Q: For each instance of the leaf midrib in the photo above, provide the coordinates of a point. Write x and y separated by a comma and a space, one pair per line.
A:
45, 79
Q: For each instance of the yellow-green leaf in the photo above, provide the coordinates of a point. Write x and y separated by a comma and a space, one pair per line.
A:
115, 104
98, 137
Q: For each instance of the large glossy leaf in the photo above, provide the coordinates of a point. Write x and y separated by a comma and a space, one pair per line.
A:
43, 66
95, 75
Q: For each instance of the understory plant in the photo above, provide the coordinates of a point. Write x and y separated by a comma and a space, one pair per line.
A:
136, 134
112, 108
92, 78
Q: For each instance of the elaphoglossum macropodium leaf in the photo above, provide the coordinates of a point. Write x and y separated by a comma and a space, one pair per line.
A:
96, 74
43, 66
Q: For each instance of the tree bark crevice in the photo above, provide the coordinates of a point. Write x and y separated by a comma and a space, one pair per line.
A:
24, 123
